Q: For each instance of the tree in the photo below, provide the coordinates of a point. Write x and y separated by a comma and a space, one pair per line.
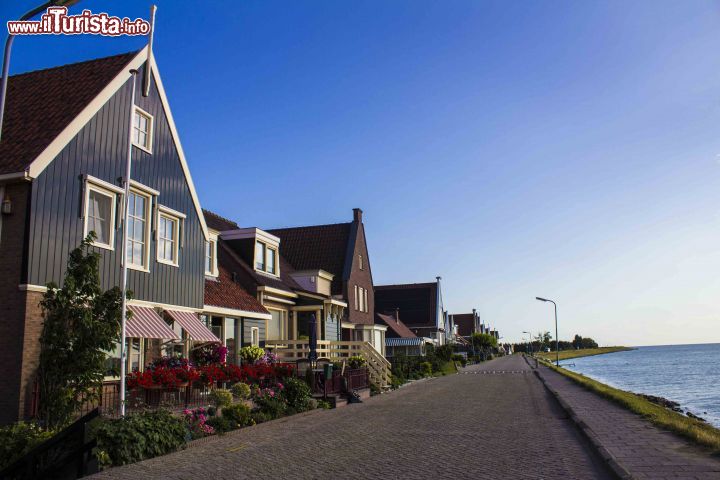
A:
483, 341
81, 324
577, 342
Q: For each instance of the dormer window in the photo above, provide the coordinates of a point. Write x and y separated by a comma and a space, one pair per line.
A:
266, 258
142, 130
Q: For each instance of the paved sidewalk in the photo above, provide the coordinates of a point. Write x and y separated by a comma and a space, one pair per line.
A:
494, 420
644, 450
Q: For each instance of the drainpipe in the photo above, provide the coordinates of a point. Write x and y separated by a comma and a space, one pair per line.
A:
126, 214
438, 309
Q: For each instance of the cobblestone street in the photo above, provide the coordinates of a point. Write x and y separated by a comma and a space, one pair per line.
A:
494, 420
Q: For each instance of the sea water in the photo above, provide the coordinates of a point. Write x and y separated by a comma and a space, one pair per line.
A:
687, 374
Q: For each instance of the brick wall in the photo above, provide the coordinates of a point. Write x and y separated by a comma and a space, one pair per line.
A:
13, 301
361, 278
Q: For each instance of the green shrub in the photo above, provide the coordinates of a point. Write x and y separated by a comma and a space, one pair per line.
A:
356, 361
296, 394
324, 404
251, 354
312, 404
459, 358
18, 439
220, 397
259, 416
426, 368
139, 436
221, 424
444, 352
241, 390
239, 414
272, 407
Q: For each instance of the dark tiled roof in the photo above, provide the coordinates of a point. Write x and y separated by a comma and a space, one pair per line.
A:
417, 303
216, 222
465, 323
398, 328
224, 292
317, 247
41, 104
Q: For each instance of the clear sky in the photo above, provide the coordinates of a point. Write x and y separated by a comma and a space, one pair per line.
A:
561, 149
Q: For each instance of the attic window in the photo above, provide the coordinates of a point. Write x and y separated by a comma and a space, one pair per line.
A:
211, 257
360, 262
142, 130
266, 258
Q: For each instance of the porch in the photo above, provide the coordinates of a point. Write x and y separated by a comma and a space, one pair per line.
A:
336, 351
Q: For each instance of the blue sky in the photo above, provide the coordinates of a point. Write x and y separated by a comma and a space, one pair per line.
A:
560, 149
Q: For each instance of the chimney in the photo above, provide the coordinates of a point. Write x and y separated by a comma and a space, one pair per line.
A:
397, 315
357, 215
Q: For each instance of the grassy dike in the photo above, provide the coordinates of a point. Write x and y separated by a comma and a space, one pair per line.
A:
583, 352
694, 430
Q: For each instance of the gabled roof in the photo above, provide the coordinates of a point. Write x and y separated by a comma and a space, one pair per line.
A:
417, 303
227, 293
317, 247
395, 325
216, 222
465, 323
46, 109
42, 103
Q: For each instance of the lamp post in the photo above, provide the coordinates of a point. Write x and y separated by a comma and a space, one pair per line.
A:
557, 340
529, 341
8, 48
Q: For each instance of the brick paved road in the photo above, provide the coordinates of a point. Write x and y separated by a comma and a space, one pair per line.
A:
644, 450
496, 420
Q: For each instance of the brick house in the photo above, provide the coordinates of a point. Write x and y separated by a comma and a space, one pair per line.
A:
421, 308
341, 250
291, 299
63, 154
467, 323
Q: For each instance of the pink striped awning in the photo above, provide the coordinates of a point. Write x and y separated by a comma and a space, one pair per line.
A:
146, 323
193, 326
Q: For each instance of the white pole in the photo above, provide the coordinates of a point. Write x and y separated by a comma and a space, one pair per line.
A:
126, 214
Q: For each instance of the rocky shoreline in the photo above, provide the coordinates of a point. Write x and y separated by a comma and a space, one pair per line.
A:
671, 405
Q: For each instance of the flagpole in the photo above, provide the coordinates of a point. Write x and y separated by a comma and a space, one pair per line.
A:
123, 260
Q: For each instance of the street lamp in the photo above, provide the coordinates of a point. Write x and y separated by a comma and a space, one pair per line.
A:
557, 340
8, 47
529, 341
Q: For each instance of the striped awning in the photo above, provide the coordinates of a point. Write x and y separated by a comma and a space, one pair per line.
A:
404, 342
193, 326
146, 323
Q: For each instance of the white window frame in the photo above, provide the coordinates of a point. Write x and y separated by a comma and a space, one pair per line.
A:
151, 129
365, 299
360, 262
276, 260
148, 226
109, 190
175, 241
356, 298
255, 336
213, 244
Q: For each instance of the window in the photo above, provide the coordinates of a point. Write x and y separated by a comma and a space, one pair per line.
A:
276, 325
137, 230
210, 254
356, 298
100, 215
365, 302
142, 130
167, 247
266, 258
271, 261
260, 256
360, 262
255, 336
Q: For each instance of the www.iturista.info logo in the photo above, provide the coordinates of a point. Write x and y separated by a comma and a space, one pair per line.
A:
56, 21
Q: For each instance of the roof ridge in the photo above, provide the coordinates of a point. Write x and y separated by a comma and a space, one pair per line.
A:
310, 226
73, 64
210, 212
420, 284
